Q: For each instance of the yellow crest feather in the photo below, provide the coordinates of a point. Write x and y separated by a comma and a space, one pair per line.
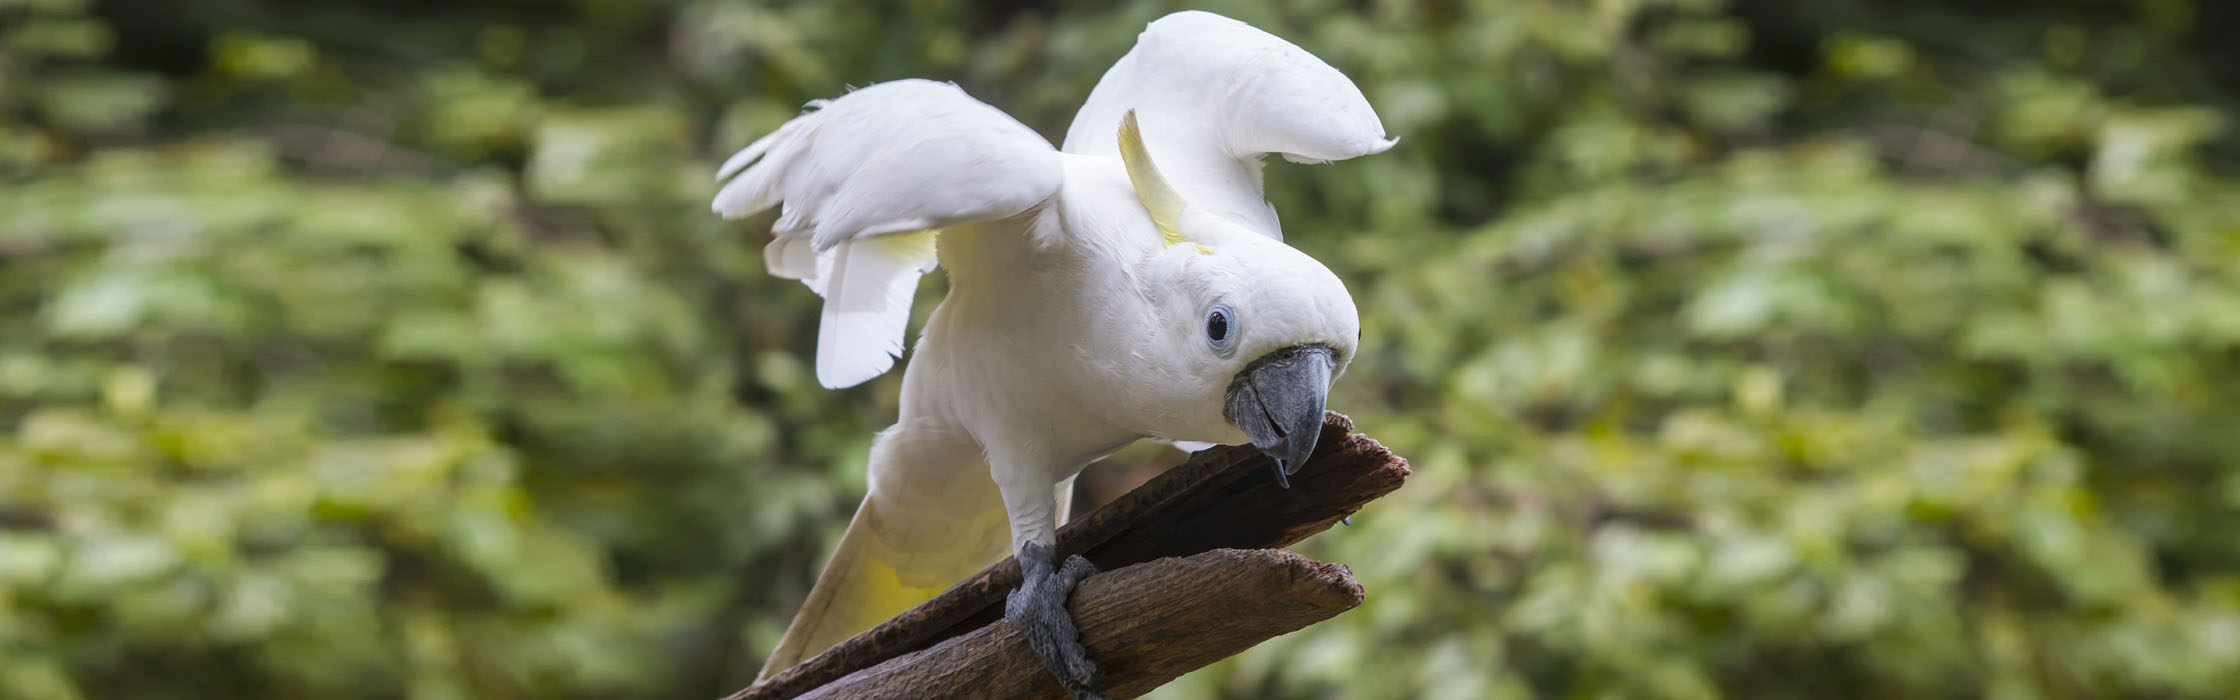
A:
1158, 197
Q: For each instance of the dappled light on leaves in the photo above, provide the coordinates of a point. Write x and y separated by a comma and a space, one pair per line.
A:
1741, 349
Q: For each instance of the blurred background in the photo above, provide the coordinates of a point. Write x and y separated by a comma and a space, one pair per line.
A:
1748, 348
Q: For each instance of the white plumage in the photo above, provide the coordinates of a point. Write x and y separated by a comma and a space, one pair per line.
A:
1073, 324
1215, 95
866, 180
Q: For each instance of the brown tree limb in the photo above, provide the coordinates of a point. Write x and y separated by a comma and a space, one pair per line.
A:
1145, 625
1225, 497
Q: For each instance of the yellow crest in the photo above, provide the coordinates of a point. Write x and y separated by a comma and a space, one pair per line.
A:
1159, 198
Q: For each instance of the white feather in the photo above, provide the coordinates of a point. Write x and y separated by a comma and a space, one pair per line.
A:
1190, 446
866, 305
884, 162
791, 258
1213, 96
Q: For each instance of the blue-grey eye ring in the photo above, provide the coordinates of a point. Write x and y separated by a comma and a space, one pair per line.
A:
1221, 329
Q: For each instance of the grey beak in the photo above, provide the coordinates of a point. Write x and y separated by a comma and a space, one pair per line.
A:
1278, 400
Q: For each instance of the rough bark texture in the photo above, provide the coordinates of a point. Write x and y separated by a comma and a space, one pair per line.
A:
1144, 624
1225, 497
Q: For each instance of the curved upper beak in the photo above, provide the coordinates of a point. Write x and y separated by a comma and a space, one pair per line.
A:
1278, 400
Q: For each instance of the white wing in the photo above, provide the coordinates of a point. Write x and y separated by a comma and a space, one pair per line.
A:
1213, 95
867, 180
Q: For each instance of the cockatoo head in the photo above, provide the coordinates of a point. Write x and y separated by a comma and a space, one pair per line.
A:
1262, 328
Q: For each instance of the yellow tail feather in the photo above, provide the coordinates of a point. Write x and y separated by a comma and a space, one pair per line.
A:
869, 580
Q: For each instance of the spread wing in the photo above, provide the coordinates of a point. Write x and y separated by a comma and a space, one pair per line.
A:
866, 181
1213, 95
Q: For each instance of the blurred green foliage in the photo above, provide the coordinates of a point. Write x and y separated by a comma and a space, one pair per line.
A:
1751, 349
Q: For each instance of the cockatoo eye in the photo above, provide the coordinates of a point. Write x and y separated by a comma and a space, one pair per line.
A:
1221, 329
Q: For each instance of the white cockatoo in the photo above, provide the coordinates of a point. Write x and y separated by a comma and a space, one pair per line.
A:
1134, 285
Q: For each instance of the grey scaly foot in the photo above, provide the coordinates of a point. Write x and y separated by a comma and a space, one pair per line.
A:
1038, 608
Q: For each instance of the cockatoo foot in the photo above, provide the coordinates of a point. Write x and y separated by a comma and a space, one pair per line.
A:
1038, 608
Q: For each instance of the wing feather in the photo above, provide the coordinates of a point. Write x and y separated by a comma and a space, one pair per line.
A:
867, 304
864, 182
1213, 96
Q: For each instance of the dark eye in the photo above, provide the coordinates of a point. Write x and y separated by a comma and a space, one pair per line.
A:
1221, 329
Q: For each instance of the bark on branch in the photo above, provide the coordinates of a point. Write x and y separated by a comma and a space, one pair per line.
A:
1223, 498
1144, 625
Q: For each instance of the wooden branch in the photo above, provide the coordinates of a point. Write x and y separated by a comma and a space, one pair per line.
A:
1225, 497
1145, 625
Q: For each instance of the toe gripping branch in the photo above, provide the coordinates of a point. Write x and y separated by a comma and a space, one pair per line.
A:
1038, 608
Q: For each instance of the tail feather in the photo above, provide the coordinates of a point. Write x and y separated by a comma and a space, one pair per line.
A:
924, 527
854, 593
